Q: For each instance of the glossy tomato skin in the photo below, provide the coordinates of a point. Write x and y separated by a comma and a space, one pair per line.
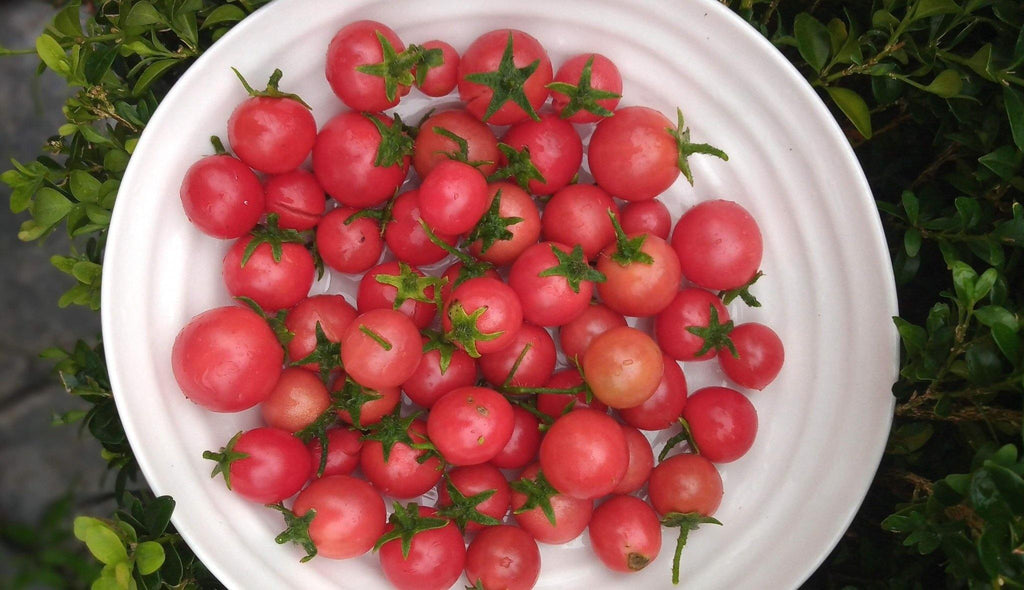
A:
556, 404
373, 294
521, 448
484, 55
555, 149
536, 366
760, 359
350, 515
222, 197
381, 364
431, 148
690, 308
572, 515
440, 80
343, 157
625, 534
665, 405
646, 217
547, 300
503, 557
226, 359
576, 335
623, 367
578, 214
471, 480
275, 468
719, 245
515, 202
406, 237
296, 198
435, 561
584, 454
273, 285
451, 275
503, 314
723, 423
470, 425
453, 197
604, 75
373, 410
632, 155
685, 483
355, 45
349, 248
401, 475
639, 289
428, 382
298, 398
343, 447
641, 461
332, 312
272, 135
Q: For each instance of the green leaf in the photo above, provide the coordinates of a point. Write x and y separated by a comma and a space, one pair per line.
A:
854, 107
105, 545
991, 315
143, 14
151, 74
981, 62
812, 40
1007, 341
225, 13
158, 515
149, 556
86, 272
67, 20
929, 8
1004, 161
912, 241
84, 186
947, 84
83, 524
1013, 100
106, 582
49, 207
837, 35
52, 54
914, 337
911, 205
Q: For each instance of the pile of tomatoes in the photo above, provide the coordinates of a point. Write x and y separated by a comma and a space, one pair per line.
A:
493, 297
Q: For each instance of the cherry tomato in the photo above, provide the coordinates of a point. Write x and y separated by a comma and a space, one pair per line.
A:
456, 274
434, 143
576, 335
440, 80
719, 245
554, 283
406, 237
557, 404
572, 515
226, 359
555, 150
222, 197
514, 203
524, 443
691, 308
760, 356
665, 405
632, 155
430, 381
349, 248
584, 454
623, 367
381, 348
356, 45
471, 480
332, 312
453, 197
637, 288
604, 77
272, 284
350, 515
578, 214
625, 534
400, 475
298, 399
535, 365
371, 411
503, 54
343, 447
374, 294
272, 135
344, 161
685, 483
646, 217
470, 425
503, 558
435, 560
723, 423
493, 328
641, 461
297, 199
264, 465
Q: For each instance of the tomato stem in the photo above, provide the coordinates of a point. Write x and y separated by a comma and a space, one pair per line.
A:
382, 341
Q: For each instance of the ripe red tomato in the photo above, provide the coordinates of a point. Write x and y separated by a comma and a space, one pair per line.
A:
685, 483
637, 288
350, 515
406, 237
272, 284
482, 315
554, 283
760, 356
584, 454
503, 557
578, 214
555, 149
719, 245
471, 480
453, 197
646, 217
343, 447
296, 198
524, 443
691, 308
298, 398
371, 411
349, 248
222, 197
434, 143
723, 423
665, 405
356, 45
344, 159
625, 534
456, 274
632, 155
381, 348
623, 367
514, 203
374, 294
401, 475
535, 365
430, 381
441, 79
435, 560
264, 465
332, 312
571, 515
576, 335
470, 425
499, 67
272, 135
226, 359
641, 461
557, 404
588, 100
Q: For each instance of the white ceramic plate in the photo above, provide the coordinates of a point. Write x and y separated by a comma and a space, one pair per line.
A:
828, 289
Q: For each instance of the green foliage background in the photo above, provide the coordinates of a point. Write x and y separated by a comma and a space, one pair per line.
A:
930, 97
